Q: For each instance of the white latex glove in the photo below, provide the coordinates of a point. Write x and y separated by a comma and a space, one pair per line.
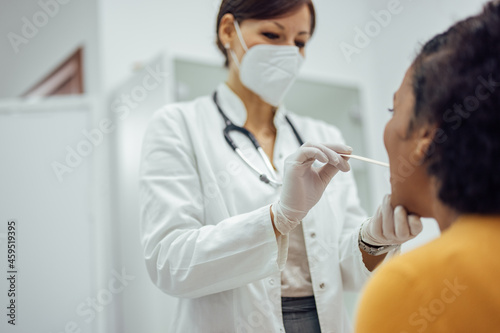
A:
390, 226
303, 185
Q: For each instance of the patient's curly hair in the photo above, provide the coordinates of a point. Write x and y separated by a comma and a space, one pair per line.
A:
457, 89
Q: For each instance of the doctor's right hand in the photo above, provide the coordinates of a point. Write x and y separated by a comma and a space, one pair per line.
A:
303, 184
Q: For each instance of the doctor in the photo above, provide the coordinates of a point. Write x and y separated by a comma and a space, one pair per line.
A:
247, 240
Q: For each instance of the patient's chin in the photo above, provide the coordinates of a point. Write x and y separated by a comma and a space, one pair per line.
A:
398, 200
410, 205
396, 196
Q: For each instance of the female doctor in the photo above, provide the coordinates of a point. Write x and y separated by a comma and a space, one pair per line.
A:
246, 240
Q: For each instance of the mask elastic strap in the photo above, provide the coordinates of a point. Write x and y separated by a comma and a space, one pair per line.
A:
242, 42
240, 36
235, 58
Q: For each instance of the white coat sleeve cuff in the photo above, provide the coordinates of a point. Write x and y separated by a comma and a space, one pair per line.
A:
353, 268
359, 256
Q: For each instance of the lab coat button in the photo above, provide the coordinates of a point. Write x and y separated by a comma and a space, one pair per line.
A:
322, 286
281, 156
313, 235
271, 282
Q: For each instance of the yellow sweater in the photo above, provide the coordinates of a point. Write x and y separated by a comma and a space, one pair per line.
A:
451, 284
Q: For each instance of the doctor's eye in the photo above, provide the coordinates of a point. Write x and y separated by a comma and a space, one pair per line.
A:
270, 35
300, 45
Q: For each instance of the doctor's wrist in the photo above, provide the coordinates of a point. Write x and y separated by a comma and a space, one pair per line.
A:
276, 231
280, 221
371, 246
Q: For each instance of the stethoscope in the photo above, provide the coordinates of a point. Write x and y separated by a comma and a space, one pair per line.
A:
230, 127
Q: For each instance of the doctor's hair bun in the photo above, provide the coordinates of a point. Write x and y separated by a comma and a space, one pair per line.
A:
457, 89
260, 10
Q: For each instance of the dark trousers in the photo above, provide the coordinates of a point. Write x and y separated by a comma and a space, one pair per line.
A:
300, 315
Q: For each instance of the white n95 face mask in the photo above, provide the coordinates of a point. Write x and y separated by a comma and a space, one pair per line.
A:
268, 70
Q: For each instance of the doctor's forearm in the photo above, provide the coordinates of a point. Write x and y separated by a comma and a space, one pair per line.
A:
371, 262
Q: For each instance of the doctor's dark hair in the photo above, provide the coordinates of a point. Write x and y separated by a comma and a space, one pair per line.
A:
457, 90
260, 10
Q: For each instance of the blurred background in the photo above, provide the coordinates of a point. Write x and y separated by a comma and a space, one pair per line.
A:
79, 81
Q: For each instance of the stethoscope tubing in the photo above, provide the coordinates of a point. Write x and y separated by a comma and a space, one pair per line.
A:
230, 127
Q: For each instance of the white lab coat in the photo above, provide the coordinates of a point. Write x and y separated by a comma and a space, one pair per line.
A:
206, 228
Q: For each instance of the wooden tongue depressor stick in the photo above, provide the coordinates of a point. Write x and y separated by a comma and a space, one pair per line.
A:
365, 160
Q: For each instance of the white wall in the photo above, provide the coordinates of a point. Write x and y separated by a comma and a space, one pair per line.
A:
62, 27
143, 307
54, 234
135, 31
66, 27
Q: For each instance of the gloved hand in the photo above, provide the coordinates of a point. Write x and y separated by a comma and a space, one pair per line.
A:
390, 226
303, 185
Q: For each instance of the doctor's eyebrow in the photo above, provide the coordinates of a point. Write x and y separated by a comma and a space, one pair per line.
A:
283, 28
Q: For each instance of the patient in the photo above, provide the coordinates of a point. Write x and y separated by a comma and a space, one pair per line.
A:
443, 143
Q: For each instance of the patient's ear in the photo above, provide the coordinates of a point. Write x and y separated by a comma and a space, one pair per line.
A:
424, 143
